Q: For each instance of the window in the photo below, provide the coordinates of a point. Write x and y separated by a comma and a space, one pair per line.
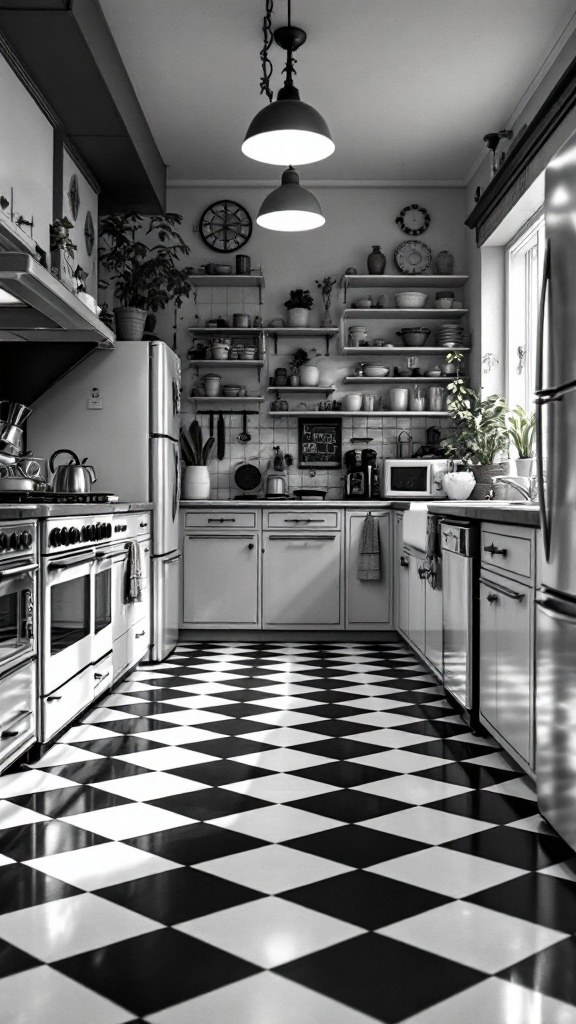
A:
524, 262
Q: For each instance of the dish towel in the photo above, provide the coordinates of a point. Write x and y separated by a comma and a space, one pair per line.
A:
133, 581
433, 551
369, 556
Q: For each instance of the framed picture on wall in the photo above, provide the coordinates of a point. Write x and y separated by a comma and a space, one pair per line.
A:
319, 443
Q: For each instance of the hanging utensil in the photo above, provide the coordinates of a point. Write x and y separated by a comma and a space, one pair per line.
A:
244, 437
211, 425
221, 438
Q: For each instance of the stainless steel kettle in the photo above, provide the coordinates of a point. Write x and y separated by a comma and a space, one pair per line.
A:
74, 478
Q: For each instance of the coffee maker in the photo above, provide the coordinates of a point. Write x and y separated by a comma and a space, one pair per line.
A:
362, 479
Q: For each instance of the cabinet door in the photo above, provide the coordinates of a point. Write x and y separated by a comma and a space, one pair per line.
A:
302, 580
403, 574
221, 577
506, 645
368, 602
417, 604
434, 645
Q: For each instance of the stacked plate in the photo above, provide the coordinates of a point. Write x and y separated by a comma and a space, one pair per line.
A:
450, 336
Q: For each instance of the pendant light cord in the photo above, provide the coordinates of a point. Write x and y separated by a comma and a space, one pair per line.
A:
268, 40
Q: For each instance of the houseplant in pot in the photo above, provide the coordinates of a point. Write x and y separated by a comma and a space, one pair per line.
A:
196, 479
301, 364
299, 305
141, 256
521, 427
482, 434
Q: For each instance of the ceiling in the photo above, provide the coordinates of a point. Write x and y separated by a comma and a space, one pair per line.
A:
408, 87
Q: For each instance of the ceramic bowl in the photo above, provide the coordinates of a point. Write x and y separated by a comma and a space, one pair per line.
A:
414, 336
363, 304
376, 371
443, 304
458, 486
410, 300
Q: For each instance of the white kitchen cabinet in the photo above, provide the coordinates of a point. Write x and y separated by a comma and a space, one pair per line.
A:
506, 663
403, 605
368, 602
221, 579
417, 603
302, 580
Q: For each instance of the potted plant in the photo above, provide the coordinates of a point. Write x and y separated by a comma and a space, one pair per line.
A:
299, 305
482, 433
302, 370
521, 427
144, 263
196, 479
326, 285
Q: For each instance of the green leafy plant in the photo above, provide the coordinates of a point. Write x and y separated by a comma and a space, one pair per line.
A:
298, 359
60, 237
194, 452
482, 433
142, 256
299, 299
521, 428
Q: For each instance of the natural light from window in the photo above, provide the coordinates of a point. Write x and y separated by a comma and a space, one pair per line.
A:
524, 262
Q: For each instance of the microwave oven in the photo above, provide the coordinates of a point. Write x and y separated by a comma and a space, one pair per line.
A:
414, 478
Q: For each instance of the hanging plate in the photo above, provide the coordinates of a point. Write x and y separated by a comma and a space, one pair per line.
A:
89, 233
74, 196
413, 257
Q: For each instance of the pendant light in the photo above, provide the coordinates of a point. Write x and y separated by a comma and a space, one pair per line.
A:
288, 130
290, 207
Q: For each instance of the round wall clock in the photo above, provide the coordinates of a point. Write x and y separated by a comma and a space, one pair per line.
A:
225, 226
74, 196
413, 219
89, 233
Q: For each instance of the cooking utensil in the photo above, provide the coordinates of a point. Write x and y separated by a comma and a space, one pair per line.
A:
16, 483
275, 485
244, 437
247, 477
278, 460
221, 448
74, 478
14, 413
404, 445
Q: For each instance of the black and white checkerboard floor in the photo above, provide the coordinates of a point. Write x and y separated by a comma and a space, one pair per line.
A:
265, 833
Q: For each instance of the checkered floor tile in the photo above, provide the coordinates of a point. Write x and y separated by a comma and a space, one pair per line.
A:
268, 832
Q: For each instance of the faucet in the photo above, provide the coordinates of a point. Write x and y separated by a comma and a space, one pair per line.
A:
526, 492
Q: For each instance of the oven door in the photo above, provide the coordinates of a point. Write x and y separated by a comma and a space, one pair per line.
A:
17, 612
68, 628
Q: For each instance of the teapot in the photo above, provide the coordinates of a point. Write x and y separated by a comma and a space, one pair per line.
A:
73, 478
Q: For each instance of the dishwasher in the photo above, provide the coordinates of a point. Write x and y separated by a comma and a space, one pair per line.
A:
460, 546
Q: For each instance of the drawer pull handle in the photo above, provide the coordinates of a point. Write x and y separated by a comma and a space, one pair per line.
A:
304, 520
491, 598
493, 550
146, 550
404, 562
514, 594
51, 699
101, 675
138, 635
423, 572
142, 525
308, 536
10, 732
250, 546
222, 520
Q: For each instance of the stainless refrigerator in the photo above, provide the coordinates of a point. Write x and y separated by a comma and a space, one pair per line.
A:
121, 410
556, 451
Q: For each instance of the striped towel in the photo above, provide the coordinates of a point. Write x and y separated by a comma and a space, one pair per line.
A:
369, 556
133, 580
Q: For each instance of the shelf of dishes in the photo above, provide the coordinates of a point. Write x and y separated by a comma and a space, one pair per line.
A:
377, 281
235, 363
204, 399
420, 313
403, 349
385, 379
298, 387
344, 412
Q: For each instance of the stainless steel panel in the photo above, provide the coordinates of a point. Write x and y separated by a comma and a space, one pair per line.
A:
559, 573
457, 625
165, 384
560, 203
556, 713
165, 600
165, 467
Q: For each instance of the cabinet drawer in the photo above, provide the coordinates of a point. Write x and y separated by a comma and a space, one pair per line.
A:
64, 704
508, 551
221, 519
305, 520
120, 655
138, 642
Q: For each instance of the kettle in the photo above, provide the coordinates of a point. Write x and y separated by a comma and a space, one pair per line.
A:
75, 478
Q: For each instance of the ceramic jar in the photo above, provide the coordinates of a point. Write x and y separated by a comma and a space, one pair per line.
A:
436, 399
352, 402
399, 399
357, 336
196, 483
444, 262
418, 398
212, 383
376, 261
309, 375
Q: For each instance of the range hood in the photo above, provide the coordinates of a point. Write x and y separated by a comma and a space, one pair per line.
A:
35, 306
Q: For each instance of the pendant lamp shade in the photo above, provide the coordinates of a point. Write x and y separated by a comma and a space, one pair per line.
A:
290, 207
288, 130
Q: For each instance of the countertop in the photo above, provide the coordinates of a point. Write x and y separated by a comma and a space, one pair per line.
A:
522, 514
56, 511
292, 503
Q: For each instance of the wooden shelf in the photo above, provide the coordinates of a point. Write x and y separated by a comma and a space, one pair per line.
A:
379, 412
229, 281
302, 332
404, 281
235, 332
207, 399
233, 363
404, 314
395, 380
313, 390
401, 349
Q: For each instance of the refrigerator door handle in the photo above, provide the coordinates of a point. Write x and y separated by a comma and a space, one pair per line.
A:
547, 606
544, 517
176, 490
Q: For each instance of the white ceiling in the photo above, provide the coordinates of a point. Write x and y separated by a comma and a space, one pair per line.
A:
408, 87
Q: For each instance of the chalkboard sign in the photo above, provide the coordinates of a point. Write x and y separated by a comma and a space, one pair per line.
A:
320, 443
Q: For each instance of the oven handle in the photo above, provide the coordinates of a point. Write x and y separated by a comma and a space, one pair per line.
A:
23, 569
170, 560
101, 556
71, 564
8, 732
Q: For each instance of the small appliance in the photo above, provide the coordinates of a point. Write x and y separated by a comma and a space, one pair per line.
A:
414, 478
362, 475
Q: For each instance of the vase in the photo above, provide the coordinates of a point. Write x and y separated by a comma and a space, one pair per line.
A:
484, 476
309, 375
129, 323
524, 467
294, 380
196, 483
444, 262
298, 317
376, 261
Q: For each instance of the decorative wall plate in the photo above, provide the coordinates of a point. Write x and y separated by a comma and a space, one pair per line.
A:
413, 219
74, 196
225, 226
413, 257
89, 233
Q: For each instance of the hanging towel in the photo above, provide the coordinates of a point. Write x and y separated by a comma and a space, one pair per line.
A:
133, 580
369, 556
433, 551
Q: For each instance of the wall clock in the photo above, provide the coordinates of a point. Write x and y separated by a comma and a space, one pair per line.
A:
74, 196
225, 226
89, 233
413, 219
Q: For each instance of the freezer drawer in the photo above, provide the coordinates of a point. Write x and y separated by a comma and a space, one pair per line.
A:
556, 713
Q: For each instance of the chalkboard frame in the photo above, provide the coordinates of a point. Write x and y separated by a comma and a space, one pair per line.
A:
309, 461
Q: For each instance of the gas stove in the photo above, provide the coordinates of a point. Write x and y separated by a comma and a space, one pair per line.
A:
55, 498
89, 530
17, 538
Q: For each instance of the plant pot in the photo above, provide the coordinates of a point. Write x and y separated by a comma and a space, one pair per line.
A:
196, 483
297, 317
309, 375
524, 467
484, 476
129, 323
